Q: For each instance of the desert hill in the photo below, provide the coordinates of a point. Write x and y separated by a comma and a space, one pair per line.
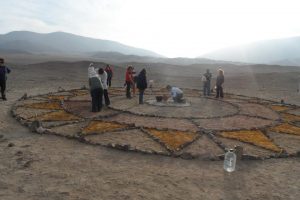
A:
64, 43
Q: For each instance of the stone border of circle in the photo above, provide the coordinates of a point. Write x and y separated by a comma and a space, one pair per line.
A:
238, 110
201, 131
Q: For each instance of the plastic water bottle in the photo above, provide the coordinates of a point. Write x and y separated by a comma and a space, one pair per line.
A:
229, 161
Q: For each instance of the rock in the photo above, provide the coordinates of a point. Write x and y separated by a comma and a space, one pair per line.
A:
187, 156
60, 89
40, 130
27, 164
2, 139
238, 151
24, 97
11, 145
35, 125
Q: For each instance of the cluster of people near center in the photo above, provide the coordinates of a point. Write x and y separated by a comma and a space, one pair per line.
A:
100, 80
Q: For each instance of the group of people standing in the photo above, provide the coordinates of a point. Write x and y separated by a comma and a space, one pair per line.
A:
99, 81
206, 80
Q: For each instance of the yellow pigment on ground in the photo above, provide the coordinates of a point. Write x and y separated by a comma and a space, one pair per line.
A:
286, 128
254, 137
290, 117
45, 105
58, 97
280, 108
57, 116
100, 126
173, 140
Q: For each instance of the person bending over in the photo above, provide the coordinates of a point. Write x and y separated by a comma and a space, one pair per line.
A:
176, 93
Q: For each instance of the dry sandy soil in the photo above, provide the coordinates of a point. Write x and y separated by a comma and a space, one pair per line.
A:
48, 167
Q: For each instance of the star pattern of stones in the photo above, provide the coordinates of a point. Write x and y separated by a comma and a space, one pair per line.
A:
203, 128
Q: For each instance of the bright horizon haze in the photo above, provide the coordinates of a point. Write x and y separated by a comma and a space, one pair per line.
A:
172, 28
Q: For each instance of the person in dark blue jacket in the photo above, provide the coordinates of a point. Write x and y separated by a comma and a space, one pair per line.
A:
3, 77
142, 85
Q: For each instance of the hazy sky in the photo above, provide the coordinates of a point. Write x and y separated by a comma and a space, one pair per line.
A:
169, 27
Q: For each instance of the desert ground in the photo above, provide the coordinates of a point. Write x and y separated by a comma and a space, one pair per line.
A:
49, 167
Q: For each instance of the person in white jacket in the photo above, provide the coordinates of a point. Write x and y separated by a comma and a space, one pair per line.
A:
103, 76
96, 89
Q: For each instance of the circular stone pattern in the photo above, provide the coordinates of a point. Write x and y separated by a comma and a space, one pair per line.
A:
203, 127
196, 107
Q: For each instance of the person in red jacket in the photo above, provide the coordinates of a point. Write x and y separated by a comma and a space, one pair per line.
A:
129, 81
109, 72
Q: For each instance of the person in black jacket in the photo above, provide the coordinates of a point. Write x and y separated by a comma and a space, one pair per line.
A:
3, 77
142, 85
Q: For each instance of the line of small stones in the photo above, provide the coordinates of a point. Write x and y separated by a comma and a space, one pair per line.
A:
24, 97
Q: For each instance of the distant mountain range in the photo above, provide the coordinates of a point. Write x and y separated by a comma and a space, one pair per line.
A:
121, 58
284, 51
64, 43
65, 46
37, 46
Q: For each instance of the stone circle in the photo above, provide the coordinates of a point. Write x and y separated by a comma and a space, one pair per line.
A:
203, 128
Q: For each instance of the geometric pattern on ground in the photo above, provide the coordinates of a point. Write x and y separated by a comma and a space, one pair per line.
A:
204, 128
